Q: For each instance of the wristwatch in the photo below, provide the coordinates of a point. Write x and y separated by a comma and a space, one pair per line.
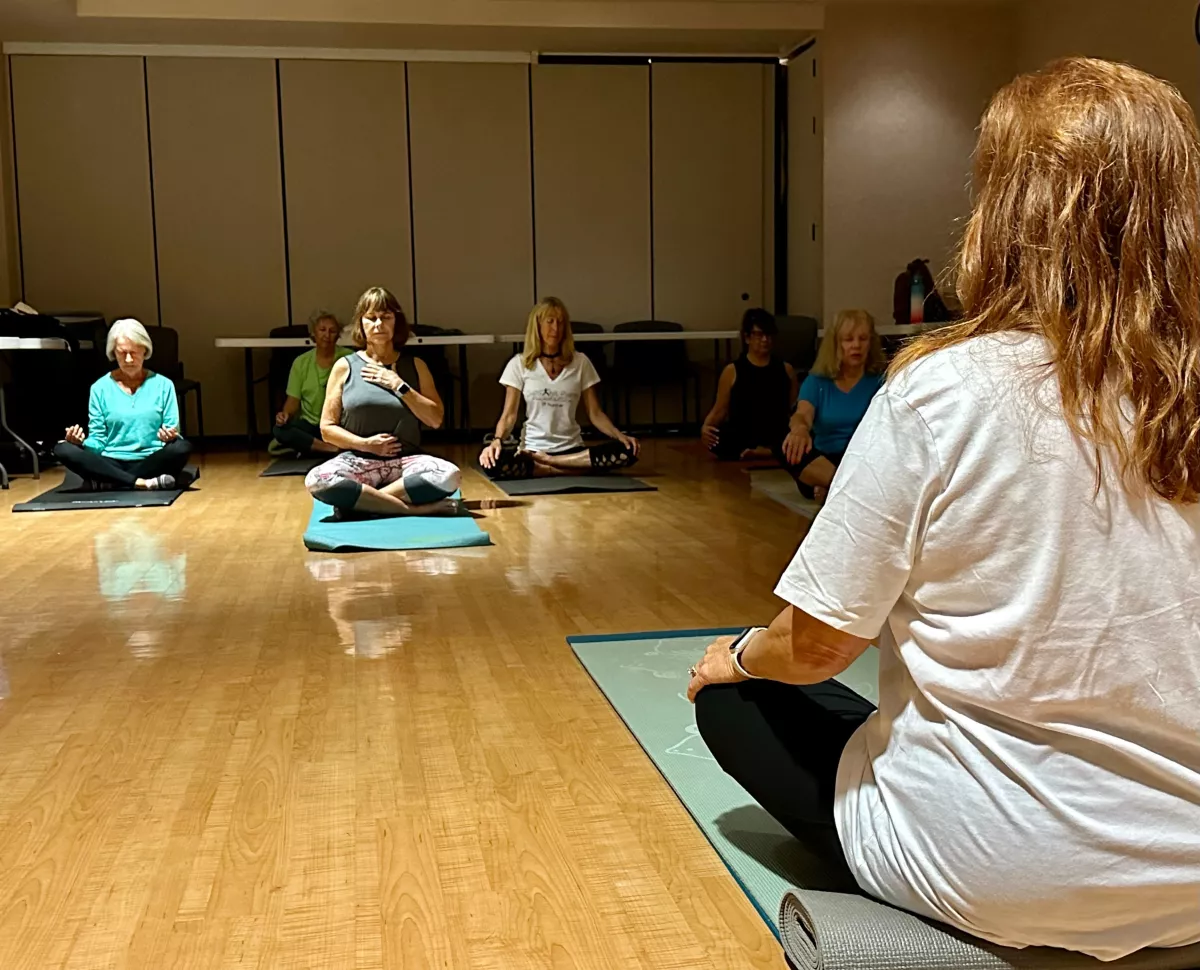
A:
404, 387
738, 647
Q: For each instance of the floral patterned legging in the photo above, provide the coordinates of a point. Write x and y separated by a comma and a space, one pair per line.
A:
339, 481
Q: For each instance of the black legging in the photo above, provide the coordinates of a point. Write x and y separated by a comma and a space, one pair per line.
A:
297, 434
782, 744
94, 467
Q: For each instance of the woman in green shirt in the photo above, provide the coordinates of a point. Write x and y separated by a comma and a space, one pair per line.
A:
133, 437
297, 426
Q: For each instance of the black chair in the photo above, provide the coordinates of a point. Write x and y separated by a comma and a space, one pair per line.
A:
439, 366
653, 363
597, 353
797, 342
165, 361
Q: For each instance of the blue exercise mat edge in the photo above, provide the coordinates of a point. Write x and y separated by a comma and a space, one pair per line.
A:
722, 631
465, 537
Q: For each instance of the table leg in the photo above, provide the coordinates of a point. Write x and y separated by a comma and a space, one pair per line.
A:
3, 476
21, 442
465, 387
251, 417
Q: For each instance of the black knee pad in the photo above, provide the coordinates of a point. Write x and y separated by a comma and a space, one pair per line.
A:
610, 455
341, 494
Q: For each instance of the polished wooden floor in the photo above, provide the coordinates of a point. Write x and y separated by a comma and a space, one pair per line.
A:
220, 750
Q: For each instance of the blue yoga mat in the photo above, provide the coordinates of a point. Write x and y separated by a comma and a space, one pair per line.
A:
324, 534
644, 676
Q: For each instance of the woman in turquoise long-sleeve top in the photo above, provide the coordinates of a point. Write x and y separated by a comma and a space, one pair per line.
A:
133, 438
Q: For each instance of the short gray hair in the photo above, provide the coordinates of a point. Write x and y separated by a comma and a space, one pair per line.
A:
130, 329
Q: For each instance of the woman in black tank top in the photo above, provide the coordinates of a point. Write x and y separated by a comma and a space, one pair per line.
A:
375, 404
755, 396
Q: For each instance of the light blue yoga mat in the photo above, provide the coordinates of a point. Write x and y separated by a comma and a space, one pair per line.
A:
644, 676
324, 534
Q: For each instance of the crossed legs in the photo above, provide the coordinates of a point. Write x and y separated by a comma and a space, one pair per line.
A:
408, 485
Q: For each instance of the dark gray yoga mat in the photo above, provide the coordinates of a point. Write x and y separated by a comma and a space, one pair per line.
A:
291, 466
68, 495
839, 931
567, 484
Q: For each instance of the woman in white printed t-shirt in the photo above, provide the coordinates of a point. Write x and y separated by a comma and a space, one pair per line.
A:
552, 376
1017, 520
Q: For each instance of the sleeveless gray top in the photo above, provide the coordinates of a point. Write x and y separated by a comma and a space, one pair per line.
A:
368, 409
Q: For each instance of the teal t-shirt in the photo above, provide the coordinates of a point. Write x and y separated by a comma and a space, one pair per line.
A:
125, 426
307, 382
838, 412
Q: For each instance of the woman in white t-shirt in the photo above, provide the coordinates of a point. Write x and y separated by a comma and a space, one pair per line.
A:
553, 377
1017, 521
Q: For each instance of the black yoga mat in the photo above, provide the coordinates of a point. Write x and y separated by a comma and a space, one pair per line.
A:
69, 495
566, 484
291, 466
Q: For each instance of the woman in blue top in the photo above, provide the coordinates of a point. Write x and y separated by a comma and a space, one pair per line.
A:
833, 399
133, 438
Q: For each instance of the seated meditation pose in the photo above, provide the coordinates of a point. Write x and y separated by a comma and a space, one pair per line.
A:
297, 426
1017, 522
553, 376
833, 399
755, 395
375, 404
132, 440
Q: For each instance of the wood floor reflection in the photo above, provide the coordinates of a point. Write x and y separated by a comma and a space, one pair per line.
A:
220, 750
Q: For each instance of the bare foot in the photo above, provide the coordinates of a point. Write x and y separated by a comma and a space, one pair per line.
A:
760, 452
820, 494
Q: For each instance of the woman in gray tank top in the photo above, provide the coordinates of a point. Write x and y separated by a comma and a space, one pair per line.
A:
375, 404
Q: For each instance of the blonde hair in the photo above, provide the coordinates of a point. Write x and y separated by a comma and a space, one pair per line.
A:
315, 321
129, 329
533, 333
377, 300
1086, 231
829, 357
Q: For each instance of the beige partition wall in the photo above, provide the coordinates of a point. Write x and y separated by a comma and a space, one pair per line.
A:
215, 137
472, 211
345, 154
83, 179
708, 192
591, 163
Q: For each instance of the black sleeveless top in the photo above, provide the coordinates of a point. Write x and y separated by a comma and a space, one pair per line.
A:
368, 409
759, 405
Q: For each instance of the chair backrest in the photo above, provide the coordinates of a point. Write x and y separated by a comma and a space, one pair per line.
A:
165, 359
596, 352
663, 360
797, 341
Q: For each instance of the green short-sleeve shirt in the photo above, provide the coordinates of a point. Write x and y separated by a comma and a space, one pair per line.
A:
307, 382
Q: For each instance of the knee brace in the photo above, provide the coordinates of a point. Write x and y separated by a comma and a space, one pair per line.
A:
610, 455
341, 493
431, 482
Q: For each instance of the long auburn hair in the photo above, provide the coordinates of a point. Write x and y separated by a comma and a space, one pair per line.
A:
1086, 230
533, 333
829, 355
376, 300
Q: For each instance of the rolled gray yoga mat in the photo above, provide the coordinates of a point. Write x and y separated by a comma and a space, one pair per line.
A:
837, 931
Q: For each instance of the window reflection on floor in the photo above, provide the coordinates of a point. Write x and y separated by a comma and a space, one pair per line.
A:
130, 561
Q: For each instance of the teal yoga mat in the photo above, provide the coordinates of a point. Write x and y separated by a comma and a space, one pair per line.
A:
324, 534
644, 676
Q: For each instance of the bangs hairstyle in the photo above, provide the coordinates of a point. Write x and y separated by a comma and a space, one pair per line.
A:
377, 300
128, 329
829, 357
1086, 231
533, 333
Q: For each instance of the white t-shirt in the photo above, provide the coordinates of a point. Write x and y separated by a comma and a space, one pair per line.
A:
550, 405
1033, 773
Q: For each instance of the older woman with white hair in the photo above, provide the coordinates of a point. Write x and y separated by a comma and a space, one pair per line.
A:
132, 440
